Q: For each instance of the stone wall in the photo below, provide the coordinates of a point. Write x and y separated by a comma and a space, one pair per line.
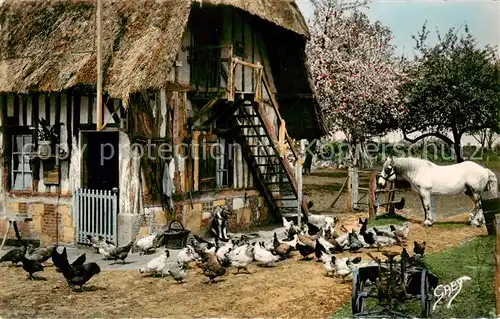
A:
248, 212
47, 225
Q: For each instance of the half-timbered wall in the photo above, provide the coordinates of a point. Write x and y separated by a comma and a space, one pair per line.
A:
76, 111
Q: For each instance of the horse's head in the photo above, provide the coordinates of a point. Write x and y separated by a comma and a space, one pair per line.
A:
388, 173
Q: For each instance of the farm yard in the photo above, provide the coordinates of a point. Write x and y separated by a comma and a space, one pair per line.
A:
293, 288
154, 161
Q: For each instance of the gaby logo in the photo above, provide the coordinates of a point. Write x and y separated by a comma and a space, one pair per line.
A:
449, 291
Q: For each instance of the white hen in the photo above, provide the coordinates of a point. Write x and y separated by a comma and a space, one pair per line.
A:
186, 255
292, 243
242, 257
328, 263
146, 243
265, 257
287, 224
156, 265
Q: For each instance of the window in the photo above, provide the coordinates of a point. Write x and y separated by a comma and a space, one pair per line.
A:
207, 162
20, 163
225, 156
215, 162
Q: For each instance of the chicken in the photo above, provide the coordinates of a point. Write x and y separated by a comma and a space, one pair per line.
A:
370, 238
95, 241
206, 245
104, 247
312, 229
364, 225
328, 263
80, 260
263, 256
281, 249
354, 243
148, 243
319, 220
384, 233
305, 250
120, 252
319, 250
41, 254
241, 257
13, 255
31, 266
400, 205
306, 240
222, 251
291, 243
402, 232
418, 248
344, 266
186, 255
77, 262
80, 275
330, 233
156, 265
178, 272
212, 268
287, 224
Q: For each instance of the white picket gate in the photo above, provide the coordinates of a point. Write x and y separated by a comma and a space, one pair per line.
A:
96, 214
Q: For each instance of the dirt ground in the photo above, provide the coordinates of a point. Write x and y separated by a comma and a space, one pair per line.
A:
292, 289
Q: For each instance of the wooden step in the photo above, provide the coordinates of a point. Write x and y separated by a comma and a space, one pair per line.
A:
255, 135
249, 126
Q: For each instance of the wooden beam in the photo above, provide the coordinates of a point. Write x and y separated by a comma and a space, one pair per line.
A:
373, 185
99, 66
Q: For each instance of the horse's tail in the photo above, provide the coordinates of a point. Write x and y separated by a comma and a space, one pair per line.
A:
492, 184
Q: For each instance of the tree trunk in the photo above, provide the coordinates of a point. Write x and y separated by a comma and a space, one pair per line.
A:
457, 146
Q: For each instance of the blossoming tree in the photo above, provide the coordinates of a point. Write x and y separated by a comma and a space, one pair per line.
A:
355, 71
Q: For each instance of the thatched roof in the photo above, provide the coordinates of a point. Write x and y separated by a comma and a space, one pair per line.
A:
284, 13
55, 50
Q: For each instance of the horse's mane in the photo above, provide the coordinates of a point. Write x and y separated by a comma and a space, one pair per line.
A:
409, 163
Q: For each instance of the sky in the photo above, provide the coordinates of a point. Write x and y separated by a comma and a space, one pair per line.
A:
406, 17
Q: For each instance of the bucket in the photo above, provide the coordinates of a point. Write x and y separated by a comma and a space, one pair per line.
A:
491, 207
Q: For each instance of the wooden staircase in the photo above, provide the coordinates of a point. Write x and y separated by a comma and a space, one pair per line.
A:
272, 173
245, 114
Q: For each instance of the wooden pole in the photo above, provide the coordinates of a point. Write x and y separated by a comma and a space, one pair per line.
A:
353, 174
372, 187
340, 192
298, 175
99, 65
497, 264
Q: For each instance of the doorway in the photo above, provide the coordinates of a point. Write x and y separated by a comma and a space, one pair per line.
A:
100, 160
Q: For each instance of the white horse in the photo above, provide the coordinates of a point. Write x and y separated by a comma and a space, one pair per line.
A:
427, 179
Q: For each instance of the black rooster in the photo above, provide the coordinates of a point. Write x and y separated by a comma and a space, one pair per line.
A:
75, 275
13, 255
312, 229
31, 266
304, 250
319, 250
364, 225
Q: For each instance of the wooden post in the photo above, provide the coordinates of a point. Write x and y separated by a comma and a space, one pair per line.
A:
298, 175
373, 186
99, 65
353, 176
497, 264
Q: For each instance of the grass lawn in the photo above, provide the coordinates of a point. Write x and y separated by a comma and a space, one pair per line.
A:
475, 259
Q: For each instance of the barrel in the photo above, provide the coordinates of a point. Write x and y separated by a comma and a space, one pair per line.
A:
491, 207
